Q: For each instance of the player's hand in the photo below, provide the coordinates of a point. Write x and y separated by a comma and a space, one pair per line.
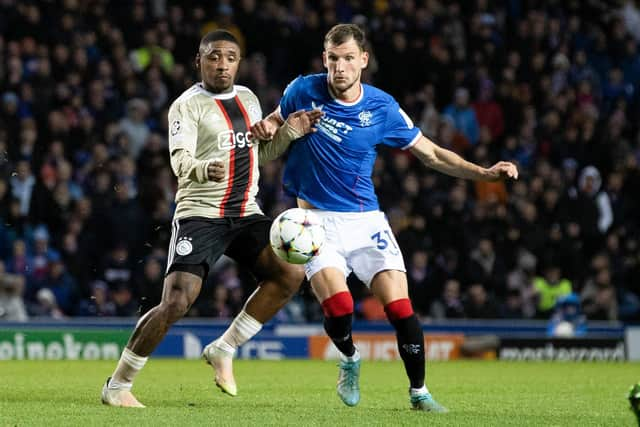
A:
304, 122
264, 129
502, 170
215, 171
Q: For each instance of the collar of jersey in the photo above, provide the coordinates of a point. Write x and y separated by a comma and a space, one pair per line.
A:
347, 104
229, 95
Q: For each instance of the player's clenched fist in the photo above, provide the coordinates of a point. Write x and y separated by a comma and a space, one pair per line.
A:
215, 170
265, 129
301, 121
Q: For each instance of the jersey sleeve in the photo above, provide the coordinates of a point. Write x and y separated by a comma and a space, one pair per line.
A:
399, 131
291, 93
183, 127
183, 141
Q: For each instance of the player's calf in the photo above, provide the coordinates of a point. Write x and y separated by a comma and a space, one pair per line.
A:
338, 313
410, 339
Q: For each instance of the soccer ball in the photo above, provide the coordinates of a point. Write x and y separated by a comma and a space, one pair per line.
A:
297, 235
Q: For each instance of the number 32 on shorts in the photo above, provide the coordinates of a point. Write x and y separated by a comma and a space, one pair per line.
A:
382, 239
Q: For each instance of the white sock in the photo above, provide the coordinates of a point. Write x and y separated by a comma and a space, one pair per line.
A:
353, 358
242, 329
421, 390
128, 367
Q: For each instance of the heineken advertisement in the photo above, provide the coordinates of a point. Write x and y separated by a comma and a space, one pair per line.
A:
57, 344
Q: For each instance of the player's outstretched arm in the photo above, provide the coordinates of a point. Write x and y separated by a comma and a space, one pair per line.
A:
450, 163
297, 125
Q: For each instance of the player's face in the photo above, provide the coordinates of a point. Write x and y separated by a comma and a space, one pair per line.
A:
218, 64
344, 64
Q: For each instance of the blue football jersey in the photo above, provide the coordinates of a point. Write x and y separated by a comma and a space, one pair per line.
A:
332, 167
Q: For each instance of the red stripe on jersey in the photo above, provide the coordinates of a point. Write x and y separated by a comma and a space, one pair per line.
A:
231, 159
247, 121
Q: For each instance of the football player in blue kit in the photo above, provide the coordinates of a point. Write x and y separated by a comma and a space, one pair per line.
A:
330, 171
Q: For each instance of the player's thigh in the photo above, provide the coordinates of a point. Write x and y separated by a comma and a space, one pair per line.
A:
196, 244
376, 249
268, 266
328, 270
390, 285
182, 286
250, 248
327, 282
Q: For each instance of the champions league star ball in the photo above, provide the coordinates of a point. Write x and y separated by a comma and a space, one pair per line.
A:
297, 235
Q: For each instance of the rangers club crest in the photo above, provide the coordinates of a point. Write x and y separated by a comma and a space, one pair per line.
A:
365, 118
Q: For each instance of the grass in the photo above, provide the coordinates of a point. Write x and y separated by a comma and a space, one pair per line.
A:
302, 393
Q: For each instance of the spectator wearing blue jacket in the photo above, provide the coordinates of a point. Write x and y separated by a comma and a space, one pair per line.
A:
463, 116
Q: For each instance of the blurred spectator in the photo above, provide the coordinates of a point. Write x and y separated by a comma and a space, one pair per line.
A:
46, 305
134, 127
598, 297
488, 111
12, 286
521, 293
549, 287
123, 299
512, 307
61, 284
419, 273
464, 117
152, 53
567, 320
22, 183
116, 269
150, 284
590, 183
99, 303
485, 266
449, 305
478, 304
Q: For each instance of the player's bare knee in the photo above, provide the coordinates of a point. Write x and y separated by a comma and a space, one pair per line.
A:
176, 308
175, 303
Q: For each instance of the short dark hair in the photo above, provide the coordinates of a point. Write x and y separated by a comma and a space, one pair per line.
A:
341, 33
217, 35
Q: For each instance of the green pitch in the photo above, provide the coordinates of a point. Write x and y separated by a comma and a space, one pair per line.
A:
302, 393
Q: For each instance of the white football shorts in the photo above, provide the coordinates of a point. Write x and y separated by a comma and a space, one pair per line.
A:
358, 242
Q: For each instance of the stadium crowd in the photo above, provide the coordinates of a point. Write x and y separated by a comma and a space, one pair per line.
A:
86, 190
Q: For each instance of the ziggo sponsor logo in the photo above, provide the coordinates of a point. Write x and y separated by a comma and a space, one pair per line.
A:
228, 140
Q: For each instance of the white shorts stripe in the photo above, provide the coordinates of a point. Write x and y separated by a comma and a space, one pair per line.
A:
175, 227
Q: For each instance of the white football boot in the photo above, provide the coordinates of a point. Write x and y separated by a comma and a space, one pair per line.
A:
222, 363
119, 397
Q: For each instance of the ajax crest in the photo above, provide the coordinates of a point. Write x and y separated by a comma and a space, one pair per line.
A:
184, 246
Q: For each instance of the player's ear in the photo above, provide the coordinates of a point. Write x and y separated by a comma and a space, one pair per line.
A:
197, 61
324, 58
365, 59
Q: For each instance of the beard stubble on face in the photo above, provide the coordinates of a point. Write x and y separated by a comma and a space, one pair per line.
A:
343, 86
217, 85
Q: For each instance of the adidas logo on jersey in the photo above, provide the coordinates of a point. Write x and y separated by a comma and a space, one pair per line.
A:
228, 140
